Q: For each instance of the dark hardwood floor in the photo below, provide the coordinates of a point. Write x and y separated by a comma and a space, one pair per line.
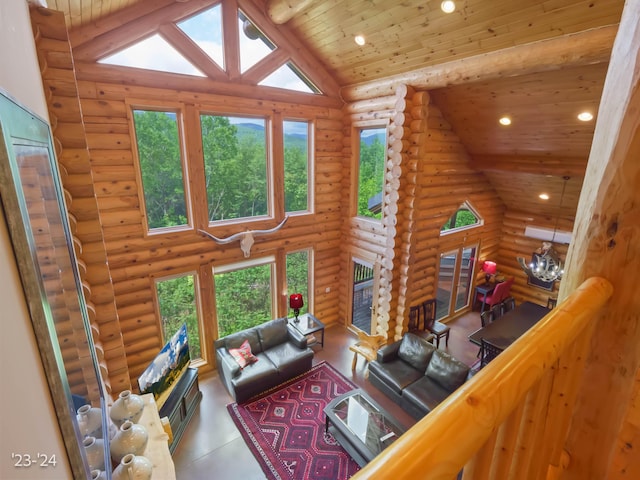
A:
212, 446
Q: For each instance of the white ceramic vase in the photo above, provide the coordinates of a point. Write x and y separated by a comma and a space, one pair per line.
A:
131, 438
94, 449
133, 467
128, 406
89, 421
98, 475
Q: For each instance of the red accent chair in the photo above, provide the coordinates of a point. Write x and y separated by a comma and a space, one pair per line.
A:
502, 291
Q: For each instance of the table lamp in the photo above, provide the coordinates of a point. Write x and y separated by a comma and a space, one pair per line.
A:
489, 268
296, 303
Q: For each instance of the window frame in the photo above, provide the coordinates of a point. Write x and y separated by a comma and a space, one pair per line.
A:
155, 278
357, 128
270, 260
269, 127
179, 110
464, 205
311, 128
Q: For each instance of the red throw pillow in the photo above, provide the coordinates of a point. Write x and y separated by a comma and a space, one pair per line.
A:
243, 354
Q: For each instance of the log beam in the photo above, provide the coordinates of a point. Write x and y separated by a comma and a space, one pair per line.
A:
588, 47
281, 11
533, 164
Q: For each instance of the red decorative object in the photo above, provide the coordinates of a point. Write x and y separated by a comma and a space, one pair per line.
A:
296, 303
489, 268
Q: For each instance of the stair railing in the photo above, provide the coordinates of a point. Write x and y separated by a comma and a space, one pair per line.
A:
510, 420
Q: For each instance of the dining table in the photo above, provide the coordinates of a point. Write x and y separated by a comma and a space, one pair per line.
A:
505, 330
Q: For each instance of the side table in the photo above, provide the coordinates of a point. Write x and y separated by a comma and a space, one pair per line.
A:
307, 324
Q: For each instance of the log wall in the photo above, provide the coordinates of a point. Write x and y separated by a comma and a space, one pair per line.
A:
56, 64
136, 259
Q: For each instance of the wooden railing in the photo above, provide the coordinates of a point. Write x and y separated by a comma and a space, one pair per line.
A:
510, 420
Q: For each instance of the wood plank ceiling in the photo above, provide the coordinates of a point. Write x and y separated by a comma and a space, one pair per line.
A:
545, 141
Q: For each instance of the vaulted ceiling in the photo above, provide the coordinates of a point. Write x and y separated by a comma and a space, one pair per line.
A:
482, 67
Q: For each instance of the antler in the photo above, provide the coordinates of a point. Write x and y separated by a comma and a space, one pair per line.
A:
247, 237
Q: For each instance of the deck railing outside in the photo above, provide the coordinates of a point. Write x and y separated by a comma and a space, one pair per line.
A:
510, 420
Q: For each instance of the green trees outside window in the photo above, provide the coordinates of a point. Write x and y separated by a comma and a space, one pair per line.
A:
176, 297
161, 168
243, 298
298, 276
296, 166
464, 217
371, 172
235, 166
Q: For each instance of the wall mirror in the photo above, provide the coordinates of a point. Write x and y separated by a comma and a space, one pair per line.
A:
33, 202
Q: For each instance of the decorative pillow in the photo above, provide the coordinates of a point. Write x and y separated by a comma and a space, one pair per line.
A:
243, 354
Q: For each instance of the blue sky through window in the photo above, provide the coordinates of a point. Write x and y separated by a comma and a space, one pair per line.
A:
205, 29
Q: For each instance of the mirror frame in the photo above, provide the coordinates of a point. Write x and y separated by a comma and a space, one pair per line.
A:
20, 127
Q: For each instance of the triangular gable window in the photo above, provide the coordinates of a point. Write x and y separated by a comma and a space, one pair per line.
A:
254, 44
289, 77
464, 218
153, 53
205, 29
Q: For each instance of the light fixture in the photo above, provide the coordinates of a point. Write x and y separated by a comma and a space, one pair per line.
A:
489, 268
585, 116
505, 121
296, 303
359, 39
448, 6
546, 264
543, 196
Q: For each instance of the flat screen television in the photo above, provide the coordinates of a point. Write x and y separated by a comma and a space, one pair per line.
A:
163, 373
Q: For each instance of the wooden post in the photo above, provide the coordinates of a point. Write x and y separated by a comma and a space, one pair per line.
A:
607, 243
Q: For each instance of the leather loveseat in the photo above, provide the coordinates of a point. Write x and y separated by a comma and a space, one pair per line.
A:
416, 375
282, 353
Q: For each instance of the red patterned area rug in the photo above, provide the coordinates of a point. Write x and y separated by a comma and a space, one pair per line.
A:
284, 427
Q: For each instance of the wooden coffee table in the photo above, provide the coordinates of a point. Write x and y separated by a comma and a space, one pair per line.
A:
360, 425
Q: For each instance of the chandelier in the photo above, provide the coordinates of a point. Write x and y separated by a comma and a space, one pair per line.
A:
546, 265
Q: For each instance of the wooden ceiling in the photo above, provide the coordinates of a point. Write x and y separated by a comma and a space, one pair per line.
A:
545, 140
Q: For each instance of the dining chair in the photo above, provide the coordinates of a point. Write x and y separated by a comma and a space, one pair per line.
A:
508, 304
488, 351
499, 293
418, 327
438, 329
486, 318
497, 311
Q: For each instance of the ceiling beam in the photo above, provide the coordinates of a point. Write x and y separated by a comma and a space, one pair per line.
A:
588, 47
281, 11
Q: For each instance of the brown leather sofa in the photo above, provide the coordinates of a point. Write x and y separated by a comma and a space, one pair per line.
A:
416, 375
282, 353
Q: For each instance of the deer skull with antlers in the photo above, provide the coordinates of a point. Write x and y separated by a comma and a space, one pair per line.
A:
246, 238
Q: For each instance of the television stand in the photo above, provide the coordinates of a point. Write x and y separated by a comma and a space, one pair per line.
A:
181, 405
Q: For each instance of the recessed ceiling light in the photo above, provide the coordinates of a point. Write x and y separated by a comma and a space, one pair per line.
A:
448, 6
585, 116
505, 121
544, 196
360, 40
